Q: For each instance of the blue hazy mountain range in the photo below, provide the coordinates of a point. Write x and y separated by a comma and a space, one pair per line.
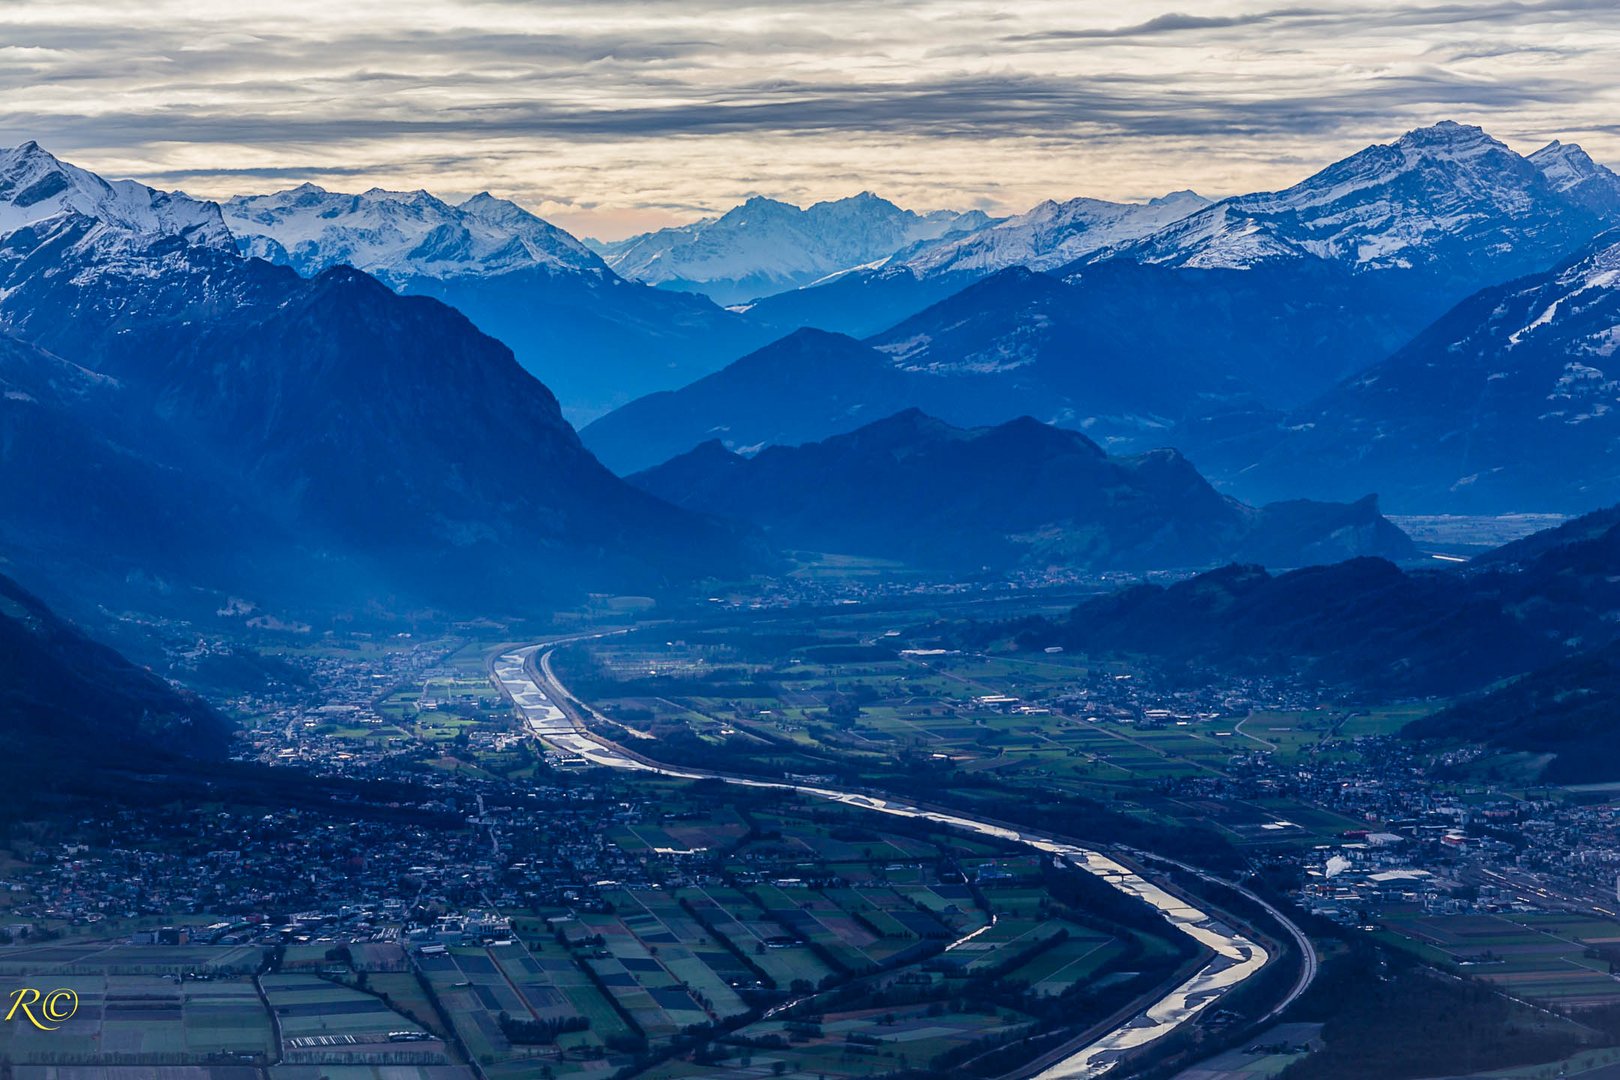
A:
271, 419
1280, 340
180, 420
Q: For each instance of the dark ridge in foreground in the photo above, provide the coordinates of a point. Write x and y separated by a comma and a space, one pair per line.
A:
1566, 711
1548, 605
403, 457
70, 705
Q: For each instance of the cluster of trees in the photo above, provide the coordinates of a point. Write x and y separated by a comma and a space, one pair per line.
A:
540, 1032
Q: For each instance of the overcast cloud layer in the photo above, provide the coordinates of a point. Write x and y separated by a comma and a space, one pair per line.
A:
612, 116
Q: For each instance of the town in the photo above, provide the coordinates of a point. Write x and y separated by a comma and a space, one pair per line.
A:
494, 904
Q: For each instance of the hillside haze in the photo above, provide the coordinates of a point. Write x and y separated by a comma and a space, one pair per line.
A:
401, 453
1200, 324
519, 278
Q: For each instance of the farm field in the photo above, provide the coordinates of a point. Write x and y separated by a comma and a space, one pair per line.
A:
750, 932
1068, 964
364, 1072
787, 904
323, 1022
1263, 1057
1548, 958
121, 959
148, 1019
1593, 1064
853, 1043
1050, 723
403, 992
475, 986
147, 1072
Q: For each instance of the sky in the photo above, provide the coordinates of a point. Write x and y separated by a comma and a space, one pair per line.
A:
611, 117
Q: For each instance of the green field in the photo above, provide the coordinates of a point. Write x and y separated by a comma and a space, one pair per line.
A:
1535, 957
121, 959
324, 1022
474, 986
148, 1019
788, 696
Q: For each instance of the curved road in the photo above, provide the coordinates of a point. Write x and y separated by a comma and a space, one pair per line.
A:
528, 681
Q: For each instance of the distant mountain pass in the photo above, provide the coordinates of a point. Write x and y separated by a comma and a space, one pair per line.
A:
1128, 354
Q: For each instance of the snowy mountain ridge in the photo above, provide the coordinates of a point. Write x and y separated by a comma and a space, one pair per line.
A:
520, 279
1399, 205
400, 235
1511, 399
1573, 174
36, 187
765, 246
1052, 234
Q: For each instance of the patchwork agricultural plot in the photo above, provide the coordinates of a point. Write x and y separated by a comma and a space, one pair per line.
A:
800, 702
476, 987
745, 920
142, 1008
119, 958
321, 1022
869, 945
1567, 961
149, 1020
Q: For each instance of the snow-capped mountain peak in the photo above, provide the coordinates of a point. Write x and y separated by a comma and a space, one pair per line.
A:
1448, 139
1184, 197
765, 245
1564, 164
399, 235
1573, 174
1436, 195
36, 186
1051, 234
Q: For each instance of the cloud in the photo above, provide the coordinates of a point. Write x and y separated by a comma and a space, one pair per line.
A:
968, 108
1171, 22
1338, 17
642, 106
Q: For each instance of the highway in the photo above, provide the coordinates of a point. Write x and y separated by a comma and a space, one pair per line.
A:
526, 678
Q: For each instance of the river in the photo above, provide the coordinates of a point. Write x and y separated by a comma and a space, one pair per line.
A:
1235, 959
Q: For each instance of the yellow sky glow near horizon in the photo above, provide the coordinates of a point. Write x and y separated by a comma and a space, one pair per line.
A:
613, 117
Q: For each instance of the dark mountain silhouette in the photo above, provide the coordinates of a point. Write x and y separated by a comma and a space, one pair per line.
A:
1564, 713
913, 488
1132, 355
1370, 627
70, 704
